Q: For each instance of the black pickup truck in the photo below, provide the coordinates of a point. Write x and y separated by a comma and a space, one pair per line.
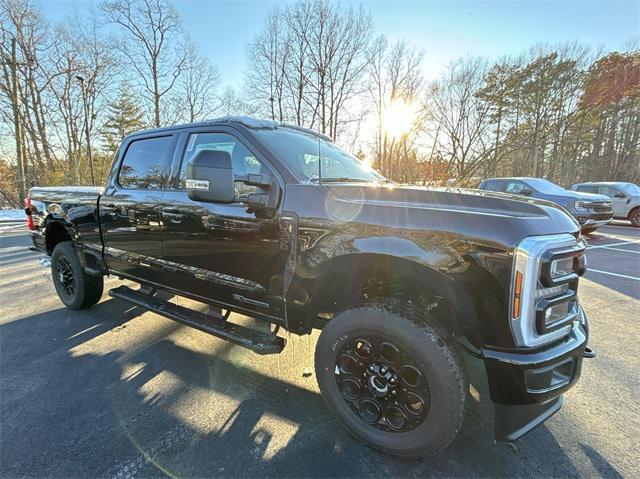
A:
417, 292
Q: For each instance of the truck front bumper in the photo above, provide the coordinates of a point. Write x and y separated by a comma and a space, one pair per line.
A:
527, 387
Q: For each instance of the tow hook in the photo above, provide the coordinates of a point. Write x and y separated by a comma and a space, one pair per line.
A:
589, 353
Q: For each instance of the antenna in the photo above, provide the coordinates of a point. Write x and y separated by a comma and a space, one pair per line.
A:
319, 163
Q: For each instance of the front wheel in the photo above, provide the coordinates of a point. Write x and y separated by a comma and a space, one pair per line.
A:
75, 288
634, 217
392, 380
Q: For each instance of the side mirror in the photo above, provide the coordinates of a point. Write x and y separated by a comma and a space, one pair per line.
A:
210, 177
619, 194
526, 191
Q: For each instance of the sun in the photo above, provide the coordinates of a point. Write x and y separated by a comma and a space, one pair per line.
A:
397, 118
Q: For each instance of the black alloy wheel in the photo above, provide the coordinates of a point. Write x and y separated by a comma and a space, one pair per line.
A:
65, 277
382, 384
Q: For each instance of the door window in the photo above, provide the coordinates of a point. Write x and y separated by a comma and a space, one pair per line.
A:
243, 161
516, 187
146, 163
588, 189
492, 185
608, 191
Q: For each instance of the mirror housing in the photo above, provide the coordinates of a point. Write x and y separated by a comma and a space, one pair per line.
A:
210, 177
526, 191
619, 194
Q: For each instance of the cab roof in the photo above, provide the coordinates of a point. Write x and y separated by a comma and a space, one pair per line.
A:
244, 121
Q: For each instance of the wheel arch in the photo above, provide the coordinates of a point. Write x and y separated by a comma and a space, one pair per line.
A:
56, 231
450, 303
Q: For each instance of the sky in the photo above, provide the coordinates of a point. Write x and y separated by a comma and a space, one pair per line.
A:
444, 29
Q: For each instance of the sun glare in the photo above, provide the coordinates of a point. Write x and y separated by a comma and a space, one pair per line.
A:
397, 118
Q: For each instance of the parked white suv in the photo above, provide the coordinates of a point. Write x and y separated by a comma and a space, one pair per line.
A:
625, 198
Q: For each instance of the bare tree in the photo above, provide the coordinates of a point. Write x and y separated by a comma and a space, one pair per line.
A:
152, 44
395, 76
308, 63
267, 57
196, 87
462, 117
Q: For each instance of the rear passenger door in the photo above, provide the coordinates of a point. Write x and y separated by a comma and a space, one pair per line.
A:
129, 208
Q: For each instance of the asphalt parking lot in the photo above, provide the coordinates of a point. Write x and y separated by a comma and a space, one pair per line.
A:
116, 392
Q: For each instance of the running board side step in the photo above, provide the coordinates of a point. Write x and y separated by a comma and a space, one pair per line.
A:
208, 323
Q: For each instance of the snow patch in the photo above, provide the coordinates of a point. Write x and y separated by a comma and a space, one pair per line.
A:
12, 215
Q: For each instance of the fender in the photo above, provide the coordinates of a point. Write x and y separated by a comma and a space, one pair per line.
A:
462, 272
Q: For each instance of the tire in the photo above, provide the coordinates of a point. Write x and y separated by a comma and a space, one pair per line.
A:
75, 288
442, 378
634, 217
588, 231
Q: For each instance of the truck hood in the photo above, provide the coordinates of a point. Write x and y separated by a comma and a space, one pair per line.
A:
483, 216
454, 199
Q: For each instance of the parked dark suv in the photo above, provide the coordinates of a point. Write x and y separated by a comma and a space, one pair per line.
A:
591, 211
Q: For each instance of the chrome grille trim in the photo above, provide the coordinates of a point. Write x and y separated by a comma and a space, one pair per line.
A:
529, 257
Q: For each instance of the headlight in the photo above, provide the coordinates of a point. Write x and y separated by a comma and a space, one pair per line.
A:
543, 288
581, 205
561, 267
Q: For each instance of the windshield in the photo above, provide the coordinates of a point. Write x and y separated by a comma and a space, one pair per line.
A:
630, 189
302, 151
545, 186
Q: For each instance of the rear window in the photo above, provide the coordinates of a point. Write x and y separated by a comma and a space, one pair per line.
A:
146, 163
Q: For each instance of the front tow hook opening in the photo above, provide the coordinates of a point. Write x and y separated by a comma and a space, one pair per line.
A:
589, 353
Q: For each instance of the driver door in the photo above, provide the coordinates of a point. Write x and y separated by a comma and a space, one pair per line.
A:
222, 252
619, 203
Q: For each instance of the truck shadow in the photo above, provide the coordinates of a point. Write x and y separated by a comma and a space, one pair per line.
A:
84, 397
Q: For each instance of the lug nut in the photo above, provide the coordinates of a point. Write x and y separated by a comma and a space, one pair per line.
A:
383, 369
392, 380
370, 367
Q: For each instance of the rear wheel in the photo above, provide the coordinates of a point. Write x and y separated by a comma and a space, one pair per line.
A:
634, 217
392, 380
75, 288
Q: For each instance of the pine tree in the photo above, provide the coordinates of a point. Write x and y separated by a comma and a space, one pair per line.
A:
124, 117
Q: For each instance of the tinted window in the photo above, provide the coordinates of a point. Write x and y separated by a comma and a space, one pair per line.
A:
492, 185
587, 189
146, 163
516, 187
243, 161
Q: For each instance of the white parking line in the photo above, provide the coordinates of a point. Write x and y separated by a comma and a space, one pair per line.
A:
591, 270
613, 244
624, 250
628, 228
